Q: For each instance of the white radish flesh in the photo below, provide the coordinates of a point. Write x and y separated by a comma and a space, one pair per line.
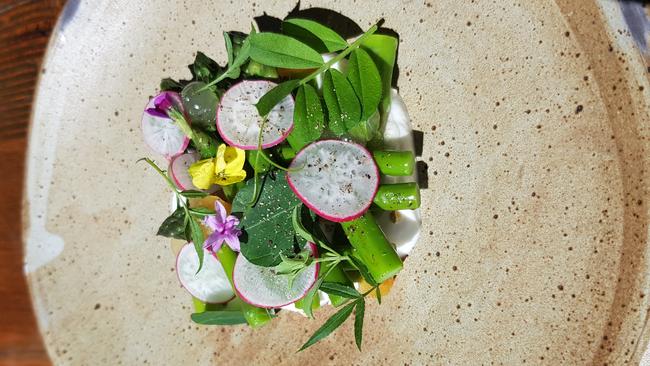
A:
162, 134
211, 284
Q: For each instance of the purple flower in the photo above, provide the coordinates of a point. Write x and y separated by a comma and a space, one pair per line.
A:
225, 229
163, 102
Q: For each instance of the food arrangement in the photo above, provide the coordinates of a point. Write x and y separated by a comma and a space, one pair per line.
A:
279, 169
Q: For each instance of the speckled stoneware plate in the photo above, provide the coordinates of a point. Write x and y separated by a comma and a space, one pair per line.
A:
536, 124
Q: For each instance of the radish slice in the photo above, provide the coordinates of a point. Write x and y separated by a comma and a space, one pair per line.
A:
160, 132
336, 179
262, 287
239, 122
211, 285
178, 171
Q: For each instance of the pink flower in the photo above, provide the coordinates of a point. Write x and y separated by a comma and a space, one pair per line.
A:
225, 229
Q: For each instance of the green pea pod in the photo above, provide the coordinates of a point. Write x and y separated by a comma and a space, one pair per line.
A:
399, 196
256, 317
396, 163
370, 247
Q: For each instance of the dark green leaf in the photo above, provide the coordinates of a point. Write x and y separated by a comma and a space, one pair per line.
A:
308, 119
309, 298
201, 211
174, 225
278, 50
343, 107
315, 35
378, 294
169, 84
204, 68
330, 325
275, 95
197, 237
367, 129
366, 81
358, 321
245, 194
219, 317
193, 194
229, 49
363, 270
334, 288
267, 225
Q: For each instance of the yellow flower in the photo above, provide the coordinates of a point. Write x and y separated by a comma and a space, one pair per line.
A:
225, 169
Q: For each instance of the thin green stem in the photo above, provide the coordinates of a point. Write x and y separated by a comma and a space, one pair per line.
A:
162, 174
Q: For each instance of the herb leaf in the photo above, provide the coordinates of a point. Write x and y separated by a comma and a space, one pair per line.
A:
169, 84
219, 317
314, 34
333, 288
197, 237
343, 107
204, 68
174, 225
308, 119
309, 298
330, 325
275, 95
231, 53
268, 230
364, 77
358, 321
383, 50
378, 295
362, 270
278, 50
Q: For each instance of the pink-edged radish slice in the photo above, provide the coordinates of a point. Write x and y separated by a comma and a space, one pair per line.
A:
336, 179
160, 132
178, 172
211, 285
262, 287
238, 121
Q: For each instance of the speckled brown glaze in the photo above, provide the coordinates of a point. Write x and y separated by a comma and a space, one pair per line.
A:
536, 122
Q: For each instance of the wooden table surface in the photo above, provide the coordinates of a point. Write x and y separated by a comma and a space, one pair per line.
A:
25, 27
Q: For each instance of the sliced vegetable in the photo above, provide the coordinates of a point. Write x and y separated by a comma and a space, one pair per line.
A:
336, 179
239, 122
210, 285
159, 131
398, 196
395, 163
263, 287
370, 247
178, 171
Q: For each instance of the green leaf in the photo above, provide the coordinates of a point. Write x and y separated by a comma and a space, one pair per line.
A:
334, 288
197, 237
193, 194
343, 107
309, 298
367, 129
308, 119
314, 34
275, 95
242, 56
204, 68
219, 317
330, 325
229, 49
278, 50
363, 270
174, 226
383, 50
268, 230
358, 321
366, 81
169, 84
244, 196
201, 211
378, 294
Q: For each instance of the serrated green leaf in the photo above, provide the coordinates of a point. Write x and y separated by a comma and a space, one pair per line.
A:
359, 313
308, 119
363, 270
275, 95
197, 238
268, 232
333, 288
174, 226
330, 325
219, 317
314, 34
190, 193
343, 106
366, 81
278, 50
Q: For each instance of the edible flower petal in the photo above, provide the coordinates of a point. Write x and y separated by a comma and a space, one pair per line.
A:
225, 229
225, 169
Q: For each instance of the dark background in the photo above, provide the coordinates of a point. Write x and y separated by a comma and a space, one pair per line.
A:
25, 27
